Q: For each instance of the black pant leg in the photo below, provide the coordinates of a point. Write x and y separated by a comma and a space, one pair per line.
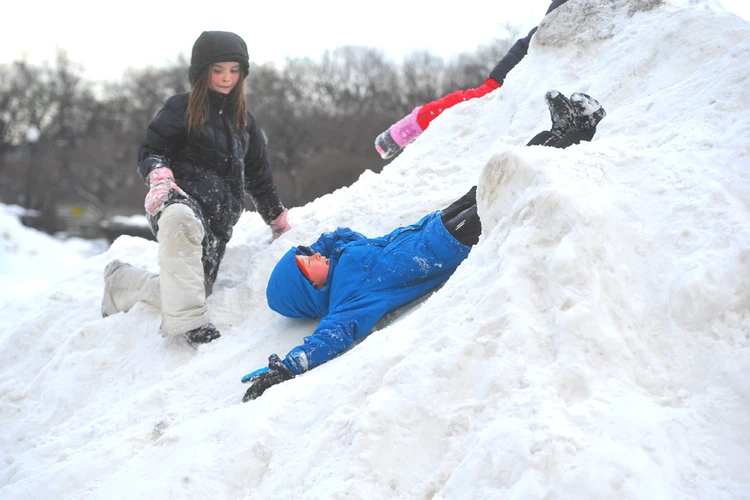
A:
461, 204
575, 137
545, 138
466, 226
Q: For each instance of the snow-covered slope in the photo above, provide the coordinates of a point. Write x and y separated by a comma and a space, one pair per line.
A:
595, 344
30, 260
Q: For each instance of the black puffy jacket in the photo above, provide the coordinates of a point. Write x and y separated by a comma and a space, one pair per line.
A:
217, 167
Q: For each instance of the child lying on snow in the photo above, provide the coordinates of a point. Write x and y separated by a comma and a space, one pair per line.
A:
351, 281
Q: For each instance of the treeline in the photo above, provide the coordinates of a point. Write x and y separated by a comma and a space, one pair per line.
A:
64, 139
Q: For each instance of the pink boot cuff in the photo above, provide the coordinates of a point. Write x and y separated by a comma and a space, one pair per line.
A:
406, 129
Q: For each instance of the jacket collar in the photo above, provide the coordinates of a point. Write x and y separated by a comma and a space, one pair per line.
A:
217, 99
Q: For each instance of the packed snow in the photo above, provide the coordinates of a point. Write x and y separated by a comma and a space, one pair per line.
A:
31, 261
595, 344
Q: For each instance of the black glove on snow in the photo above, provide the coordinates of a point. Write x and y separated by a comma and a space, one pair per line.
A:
276, 373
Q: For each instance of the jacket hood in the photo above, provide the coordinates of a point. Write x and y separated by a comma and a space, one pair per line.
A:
290, 294
217, 46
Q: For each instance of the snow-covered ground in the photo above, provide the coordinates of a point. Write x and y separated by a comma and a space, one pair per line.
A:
31, 261
595, 344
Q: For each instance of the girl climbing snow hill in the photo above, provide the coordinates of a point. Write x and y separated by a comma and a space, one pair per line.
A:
200, 155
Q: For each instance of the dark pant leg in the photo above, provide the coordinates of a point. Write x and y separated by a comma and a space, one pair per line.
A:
575, 137
461, 219
461, 204
213, 253
547, 138
465, 226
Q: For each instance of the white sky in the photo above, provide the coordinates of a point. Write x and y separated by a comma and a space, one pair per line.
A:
595, 344
107, 37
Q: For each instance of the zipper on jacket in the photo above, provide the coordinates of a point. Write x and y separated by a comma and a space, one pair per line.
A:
223, 99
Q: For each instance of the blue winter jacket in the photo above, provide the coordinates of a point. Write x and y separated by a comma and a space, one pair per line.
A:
367, 278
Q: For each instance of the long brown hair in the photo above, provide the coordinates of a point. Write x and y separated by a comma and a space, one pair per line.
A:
197, 111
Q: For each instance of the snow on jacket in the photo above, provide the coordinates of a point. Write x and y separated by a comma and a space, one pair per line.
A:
217, 167
367, 278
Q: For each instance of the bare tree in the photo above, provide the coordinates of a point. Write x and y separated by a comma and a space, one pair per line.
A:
471, 69
24, 99
422, 76
320, 118
144, 91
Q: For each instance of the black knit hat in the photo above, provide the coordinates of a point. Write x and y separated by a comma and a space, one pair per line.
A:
217, 46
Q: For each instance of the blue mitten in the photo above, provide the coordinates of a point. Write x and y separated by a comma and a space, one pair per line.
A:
250, 377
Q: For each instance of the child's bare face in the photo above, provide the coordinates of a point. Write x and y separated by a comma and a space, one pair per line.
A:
224, 76
316, 267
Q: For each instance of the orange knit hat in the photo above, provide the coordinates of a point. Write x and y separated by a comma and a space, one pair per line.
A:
302, 268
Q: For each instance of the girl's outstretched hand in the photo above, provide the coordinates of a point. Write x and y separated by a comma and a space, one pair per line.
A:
279, 225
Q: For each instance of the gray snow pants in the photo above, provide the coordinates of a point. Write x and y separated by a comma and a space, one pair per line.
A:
189, 256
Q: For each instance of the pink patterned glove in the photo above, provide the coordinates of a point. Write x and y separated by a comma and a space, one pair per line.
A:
279, 225
160, 182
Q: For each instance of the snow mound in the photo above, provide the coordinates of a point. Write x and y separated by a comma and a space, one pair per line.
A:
595, 344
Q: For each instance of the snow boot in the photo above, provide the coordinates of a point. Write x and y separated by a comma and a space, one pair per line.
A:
587, 112
560, 111
386, 146
399, 135
108, 307
203, 334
